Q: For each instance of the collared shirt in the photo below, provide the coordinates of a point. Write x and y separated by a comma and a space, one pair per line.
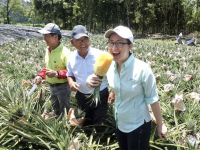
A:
134, 88
56, 60
80, 68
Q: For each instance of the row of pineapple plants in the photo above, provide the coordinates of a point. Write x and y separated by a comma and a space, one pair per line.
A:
28, 122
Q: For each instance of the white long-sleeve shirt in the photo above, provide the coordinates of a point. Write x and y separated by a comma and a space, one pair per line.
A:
80, 68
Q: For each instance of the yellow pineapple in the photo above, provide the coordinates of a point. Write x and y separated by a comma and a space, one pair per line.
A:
100, 69
102, 64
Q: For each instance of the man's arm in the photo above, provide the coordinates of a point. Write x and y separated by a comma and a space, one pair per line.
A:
41, 75
62, 74
72, 83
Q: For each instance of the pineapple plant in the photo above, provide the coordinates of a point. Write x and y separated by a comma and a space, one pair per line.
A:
23, 127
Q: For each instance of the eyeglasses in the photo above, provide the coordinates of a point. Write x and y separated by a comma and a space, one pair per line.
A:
117, 44
86, 39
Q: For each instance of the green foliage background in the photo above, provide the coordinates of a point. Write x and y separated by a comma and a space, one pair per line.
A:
142, 16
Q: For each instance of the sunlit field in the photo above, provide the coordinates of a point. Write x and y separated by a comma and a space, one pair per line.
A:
29, 123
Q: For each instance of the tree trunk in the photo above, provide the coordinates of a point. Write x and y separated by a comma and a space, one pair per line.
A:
197, 20
165, 20
90, 23
127, 8
33, 20
71, 13
7, 9
143, 20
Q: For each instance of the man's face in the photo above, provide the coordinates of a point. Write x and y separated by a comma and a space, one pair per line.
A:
50, 40
82, 44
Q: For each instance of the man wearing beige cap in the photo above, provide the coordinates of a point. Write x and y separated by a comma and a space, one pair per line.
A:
55, 68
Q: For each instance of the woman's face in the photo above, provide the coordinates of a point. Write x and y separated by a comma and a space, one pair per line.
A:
120, 53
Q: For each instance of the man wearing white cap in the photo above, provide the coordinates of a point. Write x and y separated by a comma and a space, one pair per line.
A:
134, 86
80, 65
55, 68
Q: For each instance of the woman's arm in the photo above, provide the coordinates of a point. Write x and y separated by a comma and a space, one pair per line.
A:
111, 97
161, 128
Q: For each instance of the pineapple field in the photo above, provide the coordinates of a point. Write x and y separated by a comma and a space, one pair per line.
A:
28, 122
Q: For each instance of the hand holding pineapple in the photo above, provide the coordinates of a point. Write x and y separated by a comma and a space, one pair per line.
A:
93, 81
100, 69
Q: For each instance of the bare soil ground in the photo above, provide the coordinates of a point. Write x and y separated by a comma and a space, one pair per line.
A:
9, 33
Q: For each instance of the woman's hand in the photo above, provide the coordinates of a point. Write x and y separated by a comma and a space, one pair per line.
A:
161, 128
93, 81
162, 131
111, 97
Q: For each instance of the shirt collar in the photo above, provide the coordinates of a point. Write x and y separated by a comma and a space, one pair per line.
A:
127, 62
88, 54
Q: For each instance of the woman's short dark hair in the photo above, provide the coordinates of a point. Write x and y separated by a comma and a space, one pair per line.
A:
59, 36
129, 42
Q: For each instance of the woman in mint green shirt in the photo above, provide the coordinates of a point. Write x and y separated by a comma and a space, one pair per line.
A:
134, 86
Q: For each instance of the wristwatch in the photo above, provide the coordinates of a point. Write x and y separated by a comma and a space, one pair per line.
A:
56, 75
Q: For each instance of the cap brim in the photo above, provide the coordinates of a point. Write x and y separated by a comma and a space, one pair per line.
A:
44, 31
78, 36
108, 33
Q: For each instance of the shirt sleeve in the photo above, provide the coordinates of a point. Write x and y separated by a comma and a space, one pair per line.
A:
69, 69
67, 54
149, 85
62, 74
42, 73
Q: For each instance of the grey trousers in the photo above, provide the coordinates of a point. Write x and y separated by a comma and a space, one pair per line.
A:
60, 97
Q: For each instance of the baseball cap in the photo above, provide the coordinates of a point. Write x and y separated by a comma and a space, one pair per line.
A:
122, 31
50, 28
79, 31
